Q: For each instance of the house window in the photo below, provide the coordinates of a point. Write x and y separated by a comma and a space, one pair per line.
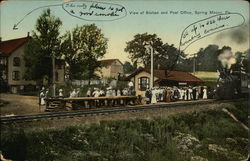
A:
16, 75
143, 83
16, 61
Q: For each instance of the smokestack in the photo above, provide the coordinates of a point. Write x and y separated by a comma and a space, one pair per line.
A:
28, 34
0, 39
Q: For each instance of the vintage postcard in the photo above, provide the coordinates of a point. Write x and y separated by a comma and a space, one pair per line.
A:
164, 80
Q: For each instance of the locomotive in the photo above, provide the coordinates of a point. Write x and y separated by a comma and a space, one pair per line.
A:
233, 85
233, 81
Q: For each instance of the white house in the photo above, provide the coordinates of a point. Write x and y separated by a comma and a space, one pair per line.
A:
13, 65
111, 68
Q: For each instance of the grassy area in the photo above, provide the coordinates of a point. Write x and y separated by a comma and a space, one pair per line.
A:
210, 78
206, 75
195, 136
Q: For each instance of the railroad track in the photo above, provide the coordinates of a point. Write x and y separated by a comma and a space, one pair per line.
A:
102, 111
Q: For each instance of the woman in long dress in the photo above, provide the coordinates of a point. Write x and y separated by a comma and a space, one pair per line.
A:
88, 93
153, 99
184, 94
204, 93
42, 96
190, 91
118, 92
181, 94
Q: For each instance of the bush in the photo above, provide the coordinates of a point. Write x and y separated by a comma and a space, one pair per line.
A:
14, 145
134, 140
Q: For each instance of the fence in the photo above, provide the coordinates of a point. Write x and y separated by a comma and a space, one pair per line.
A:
103, 82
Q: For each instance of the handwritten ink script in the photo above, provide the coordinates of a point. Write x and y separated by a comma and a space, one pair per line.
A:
208, 26
95, 11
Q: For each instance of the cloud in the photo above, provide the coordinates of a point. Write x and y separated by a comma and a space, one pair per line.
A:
239, 35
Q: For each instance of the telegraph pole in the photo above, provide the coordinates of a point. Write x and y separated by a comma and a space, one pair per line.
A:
194, 63
152, 68
149, 46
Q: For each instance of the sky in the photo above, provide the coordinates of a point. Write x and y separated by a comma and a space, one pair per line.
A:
168, 27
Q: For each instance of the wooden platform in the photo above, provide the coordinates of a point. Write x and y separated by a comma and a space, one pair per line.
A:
79, 103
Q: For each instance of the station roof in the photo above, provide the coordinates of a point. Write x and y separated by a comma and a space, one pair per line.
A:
169, 75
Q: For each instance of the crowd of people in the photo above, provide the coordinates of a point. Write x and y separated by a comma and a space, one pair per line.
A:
154, 95
170, 94
109, 92
95, 92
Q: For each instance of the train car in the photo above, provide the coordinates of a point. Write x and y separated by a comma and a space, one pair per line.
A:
245, 84
233, 85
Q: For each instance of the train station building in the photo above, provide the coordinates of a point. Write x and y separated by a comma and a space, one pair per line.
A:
162, 78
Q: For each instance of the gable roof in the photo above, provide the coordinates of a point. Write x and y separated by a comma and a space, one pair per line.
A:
108, 61
169, 75
9, 46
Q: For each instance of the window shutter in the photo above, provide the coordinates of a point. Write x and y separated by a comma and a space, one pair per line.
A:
147, 83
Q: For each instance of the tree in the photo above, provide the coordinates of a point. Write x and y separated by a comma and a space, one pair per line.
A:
128, 68
246, 61
243, 60
82, 48
207, 59
165, 55
137, 51
169, 57
44, 44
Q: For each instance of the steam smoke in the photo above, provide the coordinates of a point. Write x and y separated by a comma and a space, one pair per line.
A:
226, 57
239, 35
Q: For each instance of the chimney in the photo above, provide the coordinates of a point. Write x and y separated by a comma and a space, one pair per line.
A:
28, 34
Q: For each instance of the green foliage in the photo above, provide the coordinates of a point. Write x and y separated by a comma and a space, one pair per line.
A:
45, 42
207, 58
128, 68
122, 84
4, 85
165, 55
240, 111
243, 60
134, 140
14, 144
82, 48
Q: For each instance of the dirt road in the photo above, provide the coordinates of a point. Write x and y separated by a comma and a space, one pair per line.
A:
18, 104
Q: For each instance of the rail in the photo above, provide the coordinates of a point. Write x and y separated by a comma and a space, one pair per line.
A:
32, 117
